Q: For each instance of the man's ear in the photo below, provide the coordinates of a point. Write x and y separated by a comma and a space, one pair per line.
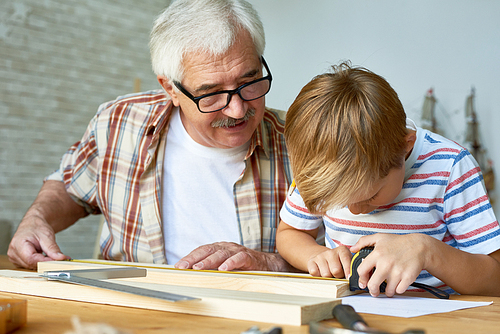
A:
169, 88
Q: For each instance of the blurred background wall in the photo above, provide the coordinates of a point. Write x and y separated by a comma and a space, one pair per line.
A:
448, 45
60, 59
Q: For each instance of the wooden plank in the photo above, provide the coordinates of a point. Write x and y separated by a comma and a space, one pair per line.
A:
298, 285
242, 305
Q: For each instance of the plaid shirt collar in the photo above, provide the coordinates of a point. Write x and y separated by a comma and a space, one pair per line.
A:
162, 118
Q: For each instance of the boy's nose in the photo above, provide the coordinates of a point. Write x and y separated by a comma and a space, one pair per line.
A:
357, 209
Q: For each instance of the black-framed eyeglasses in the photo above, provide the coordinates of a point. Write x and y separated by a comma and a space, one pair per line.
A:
250, 91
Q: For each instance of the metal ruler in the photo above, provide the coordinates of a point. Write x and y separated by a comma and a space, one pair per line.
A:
96, 278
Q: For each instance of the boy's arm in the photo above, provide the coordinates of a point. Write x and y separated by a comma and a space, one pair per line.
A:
300, 249
399, 264
297, 246
466, 273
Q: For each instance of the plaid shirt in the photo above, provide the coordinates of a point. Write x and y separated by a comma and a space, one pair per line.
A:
116, 169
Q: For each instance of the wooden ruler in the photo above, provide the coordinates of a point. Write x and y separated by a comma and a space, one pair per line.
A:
267, 282
234, 272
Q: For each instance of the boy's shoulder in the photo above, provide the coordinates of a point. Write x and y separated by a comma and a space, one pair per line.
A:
438, 140
433, 154
439, 163
430, 144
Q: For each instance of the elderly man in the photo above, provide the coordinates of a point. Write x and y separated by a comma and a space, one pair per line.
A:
194, 177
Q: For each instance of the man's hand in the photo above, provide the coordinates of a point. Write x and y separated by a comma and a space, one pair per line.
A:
52, 211
331, 263
226, 256
34, 242
398, 260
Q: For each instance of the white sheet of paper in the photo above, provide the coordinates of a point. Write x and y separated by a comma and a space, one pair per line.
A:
405, 306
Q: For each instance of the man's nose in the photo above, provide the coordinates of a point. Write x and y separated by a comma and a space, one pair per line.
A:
236, 108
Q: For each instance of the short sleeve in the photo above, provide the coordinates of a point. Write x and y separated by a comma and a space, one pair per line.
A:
295, 213
468, 213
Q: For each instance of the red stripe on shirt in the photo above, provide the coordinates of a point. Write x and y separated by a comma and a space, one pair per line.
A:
461, 179
429, 175
445, 149
296, 207
415, 200
477, 231
383, 226
464, 208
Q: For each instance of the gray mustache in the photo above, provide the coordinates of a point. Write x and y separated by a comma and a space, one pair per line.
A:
228, 122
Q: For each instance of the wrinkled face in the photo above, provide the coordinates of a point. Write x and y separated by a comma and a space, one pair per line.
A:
383, 192
206, 74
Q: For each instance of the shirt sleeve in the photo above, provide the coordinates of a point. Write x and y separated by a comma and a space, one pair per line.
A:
467, 210
295, 213
55, 176
78, 170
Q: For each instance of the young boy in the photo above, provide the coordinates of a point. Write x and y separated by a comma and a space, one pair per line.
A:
372, 178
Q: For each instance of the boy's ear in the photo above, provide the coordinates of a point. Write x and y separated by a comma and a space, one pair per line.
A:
169, 88
410, 138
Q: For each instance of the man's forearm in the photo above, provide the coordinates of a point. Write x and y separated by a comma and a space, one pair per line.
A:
55, 206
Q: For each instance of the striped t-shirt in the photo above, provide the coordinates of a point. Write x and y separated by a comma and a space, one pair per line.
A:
443, 196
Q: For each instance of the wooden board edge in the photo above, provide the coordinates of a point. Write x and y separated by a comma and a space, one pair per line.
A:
275, 312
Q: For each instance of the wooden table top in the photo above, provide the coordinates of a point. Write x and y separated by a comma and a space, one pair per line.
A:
47, 315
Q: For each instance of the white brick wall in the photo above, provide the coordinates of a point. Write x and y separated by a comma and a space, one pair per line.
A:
60, 59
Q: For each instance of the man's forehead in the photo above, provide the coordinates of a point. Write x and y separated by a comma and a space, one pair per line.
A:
204, 67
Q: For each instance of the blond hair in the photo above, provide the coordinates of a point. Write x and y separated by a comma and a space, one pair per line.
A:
344, 131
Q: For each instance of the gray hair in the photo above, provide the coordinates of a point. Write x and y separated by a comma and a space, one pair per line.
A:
200, 26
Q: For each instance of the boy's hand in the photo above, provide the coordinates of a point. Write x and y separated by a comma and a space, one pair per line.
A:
331, 263
398, 260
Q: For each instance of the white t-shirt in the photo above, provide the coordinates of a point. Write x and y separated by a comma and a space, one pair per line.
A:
197, 192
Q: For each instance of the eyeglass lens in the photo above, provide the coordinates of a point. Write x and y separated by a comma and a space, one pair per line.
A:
250, 92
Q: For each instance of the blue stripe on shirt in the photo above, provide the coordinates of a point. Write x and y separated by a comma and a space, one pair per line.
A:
430, 139
460, 156
426, 182
412, 208
476, 241
466, 185
299, 214
469, 214
435, 157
